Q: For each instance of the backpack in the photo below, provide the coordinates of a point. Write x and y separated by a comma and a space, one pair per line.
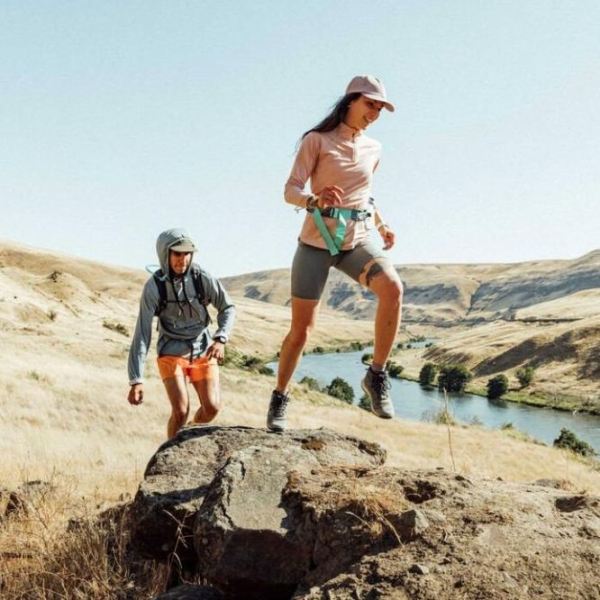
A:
161, 284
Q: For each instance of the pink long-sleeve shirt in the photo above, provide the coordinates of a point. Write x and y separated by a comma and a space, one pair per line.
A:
343, 157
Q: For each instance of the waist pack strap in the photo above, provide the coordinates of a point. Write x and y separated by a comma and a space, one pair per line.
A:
343, 215
353, 214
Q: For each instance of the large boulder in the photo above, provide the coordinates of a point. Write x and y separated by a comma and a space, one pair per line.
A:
313, 515
181, 472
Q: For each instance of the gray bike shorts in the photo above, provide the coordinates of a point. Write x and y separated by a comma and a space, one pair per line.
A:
311, 265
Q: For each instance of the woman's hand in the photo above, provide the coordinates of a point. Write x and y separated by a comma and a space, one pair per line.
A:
330, 195
388, 236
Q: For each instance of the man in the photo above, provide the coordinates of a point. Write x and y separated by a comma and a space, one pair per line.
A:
178, 294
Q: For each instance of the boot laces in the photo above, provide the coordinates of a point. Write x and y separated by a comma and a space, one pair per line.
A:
381, 384
279, 404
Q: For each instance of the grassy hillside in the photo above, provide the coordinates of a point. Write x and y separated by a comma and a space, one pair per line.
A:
65, 335
493, 318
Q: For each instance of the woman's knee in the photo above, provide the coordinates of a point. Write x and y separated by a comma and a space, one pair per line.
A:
389, 289
299, 334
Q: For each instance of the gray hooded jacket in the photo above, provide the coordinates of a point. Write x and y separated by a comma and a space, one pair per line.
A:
183, 323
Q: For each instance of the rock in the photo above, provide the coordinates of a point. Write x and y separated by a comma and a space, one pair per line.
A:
419, 569
191, 592
573, 503
557, 484
487, 540
411, 524
179, 475
241, 532
282, 516
26, 499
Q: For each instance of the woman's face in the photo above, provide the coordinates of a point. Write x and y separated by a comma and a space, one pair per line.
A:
362, 112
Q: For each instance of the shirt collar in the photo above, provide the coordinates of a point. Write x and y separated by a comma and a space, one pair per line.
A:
348, 133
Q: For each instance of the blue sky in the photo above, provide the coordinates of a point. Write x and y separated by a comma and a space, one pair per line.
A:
121, 119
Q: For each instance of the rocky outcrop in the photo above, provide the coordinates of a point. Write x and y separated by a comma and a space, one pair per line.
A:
313, 515
183, 470
436, 535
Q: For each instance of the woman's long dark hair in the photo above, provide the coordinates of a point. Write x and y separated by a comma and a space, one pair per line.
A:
336, 116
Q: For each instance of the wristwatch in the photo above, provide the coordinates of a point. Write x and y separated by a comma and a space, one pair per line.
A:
312, 202
220, 338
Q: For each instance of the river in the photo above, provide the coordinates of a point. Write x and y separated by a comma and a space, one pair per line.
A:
414, 403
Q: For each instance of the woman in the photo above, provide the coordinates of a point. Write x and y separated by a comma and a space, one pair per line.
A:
340, 160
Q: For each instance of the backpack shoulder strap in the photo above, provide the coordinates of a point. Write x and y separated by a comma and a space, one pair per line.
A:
161, 285
198, 286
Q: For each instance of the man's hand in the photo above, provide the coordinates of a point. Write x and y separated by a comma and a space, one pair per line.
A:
388, 237
136, 394
216, 350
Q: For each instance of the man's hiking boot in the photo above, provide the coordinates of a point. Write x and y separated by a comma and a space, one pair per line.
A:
377, 387
276, 419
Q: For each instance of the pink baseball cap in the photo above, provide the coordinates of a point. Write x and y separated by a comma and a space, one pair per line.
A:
371, 87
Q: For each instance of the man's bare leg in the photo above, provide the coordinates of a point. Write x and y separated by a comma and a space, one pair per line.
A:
209, 394
180, 404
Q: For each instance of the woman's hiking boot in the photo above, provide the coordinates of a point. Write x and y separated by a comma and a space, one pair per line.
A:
276, 418
377, 387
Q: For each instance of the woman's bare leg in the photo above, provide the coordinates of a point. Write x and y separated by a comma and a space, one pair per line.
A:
304, 316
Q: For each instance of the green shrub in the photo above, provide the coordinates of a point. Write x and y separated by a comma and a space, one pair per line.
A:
311, 383
427, 374
233, 357
318, 350
439, 417
394, 369
497, 386
365, 403
525, 376
339, 388
400, 346
357, 345
454, 378
264, 370
567, 439
118, 327
252, 362
366, 358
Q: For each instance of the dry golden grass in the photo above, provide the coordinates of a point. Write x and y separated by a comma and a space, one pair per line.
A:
60, 545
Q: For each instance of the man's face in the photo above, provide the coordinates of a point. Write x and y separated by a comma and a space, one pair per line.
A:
179, 261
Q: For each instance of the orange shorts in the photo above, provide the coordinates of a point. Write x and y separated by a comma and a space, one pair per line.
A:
199, 369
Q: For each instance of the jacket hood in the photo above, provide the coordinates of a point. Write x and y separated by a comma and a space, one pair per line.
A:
166, 240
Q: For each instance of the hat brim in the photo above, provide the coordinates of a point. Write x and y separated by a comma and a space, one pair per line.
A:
388, 105
183, 247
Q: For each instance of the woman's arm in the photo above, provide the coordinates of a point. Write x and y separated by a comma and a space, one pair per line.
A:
304, 164
387, 235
